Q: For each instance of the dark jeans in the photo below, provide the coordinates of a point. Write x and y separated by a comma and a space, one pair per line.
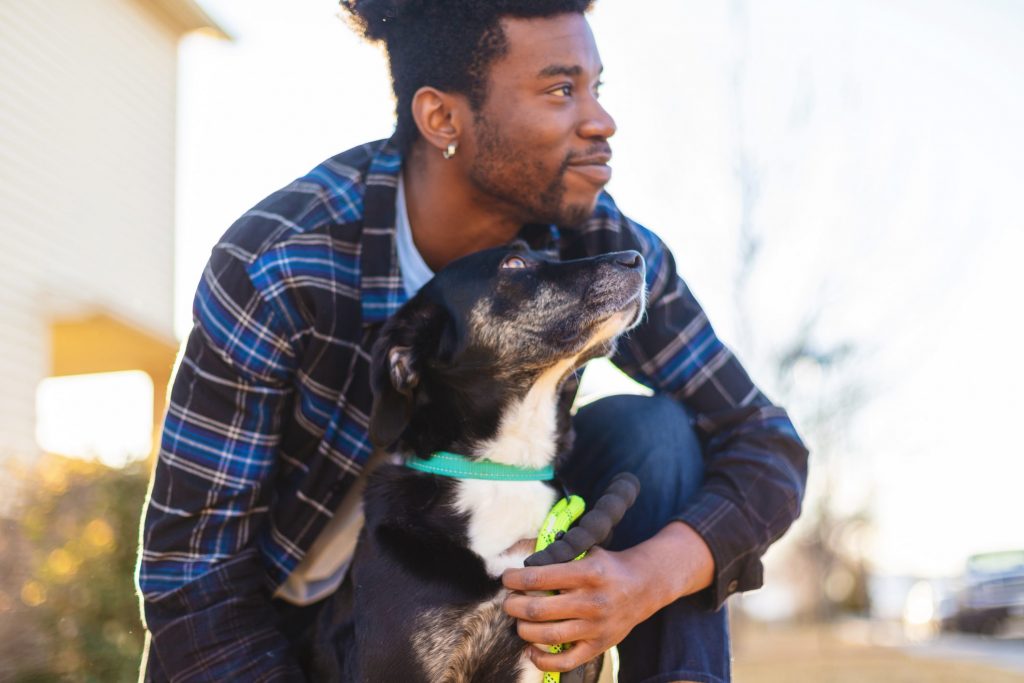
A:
652, 438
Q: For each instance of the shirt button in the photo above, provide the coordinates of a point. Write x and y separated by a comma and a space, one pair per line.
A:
733, 585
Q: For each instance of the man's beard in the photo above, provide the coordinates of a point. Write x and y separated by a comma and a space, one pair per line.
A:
504, 170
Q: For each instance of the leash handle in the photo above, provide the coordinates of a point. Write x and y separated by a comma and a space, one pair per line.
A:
562, 516
559, 519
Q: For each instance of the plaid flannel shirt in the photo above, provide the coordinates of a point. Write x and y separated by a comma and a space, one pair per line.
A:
266, 427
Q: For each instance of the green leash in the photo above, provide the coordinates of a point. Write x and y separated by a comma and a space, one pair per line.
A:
562, 515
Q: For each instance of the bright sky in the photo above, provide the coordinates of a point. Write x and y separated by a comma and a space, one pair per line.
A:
885, 141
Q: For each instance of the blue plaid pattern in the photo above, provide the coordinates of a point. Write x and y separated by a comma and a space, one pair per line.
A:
266, 427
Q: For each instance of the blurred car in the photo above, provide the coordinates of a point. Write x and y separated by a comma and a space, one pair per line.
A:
991, 594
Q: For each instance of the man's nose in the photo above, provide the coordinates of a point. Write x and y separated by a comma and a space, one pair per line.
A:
597, 122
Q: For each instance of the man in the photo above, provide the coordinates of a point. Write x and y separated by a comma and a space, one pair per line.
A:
499, 134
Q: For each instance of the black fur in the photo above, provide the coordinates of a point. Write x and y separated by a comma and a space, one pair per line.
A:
446, 367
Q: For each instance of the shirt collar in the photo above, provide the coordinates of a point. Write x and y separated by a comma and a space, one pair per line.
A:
381, 289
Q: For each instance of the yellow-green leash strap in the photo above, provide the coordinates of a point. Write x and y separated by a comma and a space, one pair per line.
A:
562, 515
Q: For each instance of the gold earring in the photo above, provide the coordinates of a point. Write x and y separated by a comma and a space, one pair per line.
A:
449, 151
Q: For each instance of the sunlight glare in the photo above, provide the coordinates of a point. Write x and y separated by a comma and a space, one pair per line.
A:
105, 416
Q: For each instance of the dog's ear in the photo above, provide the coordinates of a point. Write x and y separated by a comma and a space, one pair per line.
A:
403, 375
394, 379
404, 345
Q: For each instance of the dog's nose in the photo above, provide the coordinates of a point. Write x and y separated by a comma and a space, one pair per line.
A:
629, 259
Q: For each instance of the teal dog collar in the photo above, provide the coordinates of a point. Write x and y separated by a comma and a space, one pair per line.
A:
460, 467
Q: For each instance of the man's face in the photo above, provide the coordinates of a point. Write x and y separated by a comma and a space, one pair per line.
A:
539, 144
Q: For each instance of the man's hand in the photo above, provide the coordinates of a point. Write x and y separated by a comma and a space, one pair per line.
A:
603, 596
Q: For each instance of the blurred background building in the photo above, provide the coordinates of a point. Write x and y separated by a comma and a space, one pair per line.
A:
88, 104
88, 130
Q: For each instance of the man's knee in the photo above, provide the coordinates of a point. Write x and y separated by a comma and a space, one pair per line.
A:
653, 438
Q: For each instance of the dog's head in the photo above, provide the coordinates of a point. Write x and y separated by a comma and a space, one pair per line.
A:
485, 332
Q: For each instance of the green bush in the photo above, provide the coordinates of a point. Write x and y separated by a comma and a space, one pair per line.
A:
80, 526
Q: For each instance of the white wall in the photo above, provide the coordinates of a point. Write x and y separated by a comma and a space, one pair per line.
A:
87, 139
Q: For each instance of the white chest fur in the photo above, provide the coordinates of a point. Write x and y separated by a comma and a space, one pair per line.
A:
501, 513
526, 433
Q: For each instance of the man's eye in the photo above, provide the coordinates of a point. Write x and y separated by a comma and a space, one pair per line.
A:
514, 262
562, 91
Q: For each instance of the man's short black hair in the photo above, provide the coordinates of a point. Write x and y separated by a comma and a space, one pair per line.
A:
446, 44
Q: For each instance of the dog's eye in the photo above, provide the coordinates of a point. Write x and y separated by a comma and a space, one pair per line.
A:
514, 262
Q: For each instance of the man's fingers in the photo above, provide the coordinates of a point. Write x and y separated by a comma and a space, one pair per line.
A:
554, 632
550, 578
579, 653
545, 607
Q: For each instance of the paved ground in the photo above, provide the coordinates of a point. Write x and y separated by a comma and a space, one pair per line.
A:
1004, 653
829, 654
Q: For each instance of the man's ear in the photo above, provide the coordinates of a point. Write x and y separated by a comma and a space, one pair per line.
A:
439, 116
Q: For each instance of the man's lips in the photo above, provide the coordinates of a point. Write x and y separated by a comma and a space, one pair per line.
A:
593, 168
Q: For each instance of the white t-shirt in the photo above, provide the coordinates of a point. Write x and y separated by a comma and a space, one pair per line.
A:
415, 271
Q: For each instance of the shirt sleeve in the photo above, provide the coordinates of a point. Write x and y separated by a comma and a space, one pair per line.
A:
203, 587
755, 463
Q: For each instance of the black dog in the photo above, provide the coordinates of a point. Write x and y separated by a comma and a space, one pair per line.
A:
474, 364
